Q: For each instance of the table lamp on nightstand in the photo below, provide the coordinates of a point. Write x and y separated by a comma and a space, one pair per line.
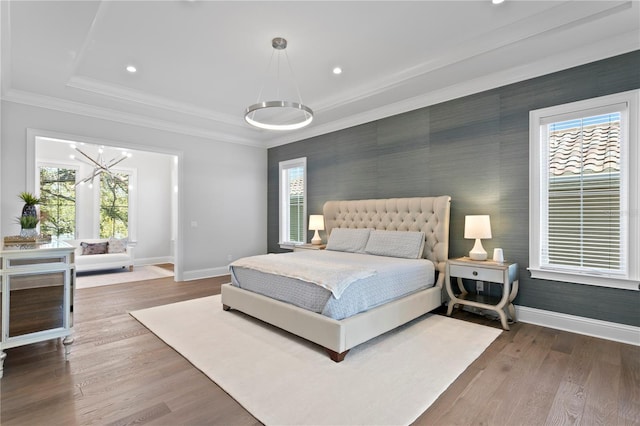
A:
316, 223
477, 227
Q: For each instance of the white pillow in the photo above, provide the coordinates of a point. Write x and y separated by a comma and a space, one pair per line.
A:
406, 244
348, 239
117, 245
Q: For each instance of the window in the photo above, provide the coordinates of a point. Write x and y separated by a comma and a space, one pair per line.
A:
107, 215
584, 185
114, 205
293, 201
58, 206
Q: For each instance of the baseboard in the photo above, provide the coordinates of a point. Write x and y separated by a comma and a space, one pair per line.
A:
581, 325
152, 260
205, 273
186, 275
575, 324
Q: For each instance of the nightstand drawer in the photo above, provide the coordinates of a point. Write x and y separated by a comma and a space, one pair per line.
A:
478, 274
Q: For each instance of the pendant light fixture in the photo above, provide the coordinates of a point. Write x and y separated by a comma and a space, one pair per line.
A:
279, 114
99, 164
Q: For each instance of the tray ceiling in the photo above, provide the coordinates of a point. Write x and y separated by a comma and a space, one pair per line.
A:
201, 63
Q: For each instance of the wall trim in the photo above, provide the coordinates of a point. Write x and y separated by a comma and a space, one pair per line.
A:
505, 77
205, 273
136, 97
79, 108
152, 260
590, 327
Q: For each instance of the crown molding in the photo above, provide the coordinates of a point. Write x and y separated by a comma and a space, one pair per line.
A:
622, 44
57, 104
230, 129
132, 96
548, 23
136, 97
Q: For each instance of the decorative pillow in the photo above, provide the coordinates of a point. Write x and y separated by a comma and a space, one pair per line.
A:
117, 245
94, 248
348, 239
407, 244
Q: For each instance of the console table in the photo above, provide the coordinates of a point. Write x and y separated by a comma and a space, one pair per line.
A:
37, 295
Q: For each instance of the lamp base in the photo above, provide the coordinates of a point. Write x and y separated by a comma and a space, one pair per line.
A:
478, 252
317, 240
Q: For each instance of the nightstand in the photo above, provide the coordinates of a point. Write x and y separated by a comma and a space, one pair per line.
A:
489, 271
309, 247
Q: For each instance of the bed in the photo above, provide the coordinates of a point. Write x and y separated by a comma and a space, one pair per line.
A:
428, 215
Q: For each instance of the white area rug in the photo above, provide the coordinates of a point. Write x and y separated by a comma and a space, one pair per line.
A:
119, 276
284, 380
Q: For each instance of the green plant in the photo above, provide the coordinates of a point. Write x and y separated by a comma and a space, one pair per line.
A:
28, 222
29, 199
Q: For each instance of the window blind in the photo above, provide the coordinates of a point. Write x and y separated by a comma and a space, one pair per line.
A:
296, 203
584, 226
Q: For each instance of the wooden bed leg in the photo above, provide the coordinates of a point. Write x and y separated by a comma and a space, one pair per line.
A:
335, 356
226, 307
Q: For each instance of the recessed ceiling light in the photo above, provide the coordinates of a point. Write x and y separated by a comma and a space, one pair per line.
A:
337, 70
497, 1
131, 69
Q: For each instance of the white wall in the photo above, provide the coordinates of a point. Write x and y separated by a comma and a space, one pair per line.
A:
223, 186
153, 207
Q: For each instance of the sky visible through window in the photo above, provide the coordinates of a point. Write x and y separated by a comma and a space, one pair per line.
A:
584, 122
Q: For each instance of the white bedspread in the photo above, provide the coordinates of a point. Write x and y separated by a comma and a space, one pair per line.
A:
325, 273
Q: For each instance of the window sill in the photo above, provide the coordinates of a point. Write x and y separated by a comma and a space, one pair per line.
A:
601, 281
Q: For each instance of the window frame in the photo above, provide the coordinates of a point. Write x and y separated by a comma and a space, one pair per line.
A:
95, 193
629, 193
283, 207
59, 165
101, 207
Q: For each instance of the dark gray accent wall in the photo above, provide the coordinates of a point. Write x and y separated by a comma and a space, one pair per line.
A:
475, 149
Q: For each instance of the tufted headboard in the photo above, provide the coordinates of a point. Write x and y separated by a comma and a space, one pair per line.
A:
427, 214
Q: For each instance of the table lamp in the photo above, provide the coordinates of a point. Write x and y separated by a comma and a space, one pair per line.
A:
477, 227
316, 223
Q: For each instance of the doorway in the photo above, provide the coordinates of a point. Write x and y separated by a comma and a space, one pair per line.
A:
153, 185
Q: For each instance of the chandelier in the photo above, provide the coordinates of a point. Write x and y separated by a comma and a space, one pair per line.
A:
100, 166
279, 114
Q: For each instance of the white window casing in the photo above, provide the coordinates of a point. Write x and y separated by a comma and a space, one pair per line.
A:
570, 236
58, 165
292, 184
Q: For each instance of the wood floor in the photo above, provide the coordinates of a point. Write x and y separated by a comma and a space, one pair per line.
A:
119, 373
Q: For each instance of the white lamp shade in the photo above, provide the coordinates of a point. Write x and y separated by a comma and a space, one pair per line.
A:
316, 222
477, 226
